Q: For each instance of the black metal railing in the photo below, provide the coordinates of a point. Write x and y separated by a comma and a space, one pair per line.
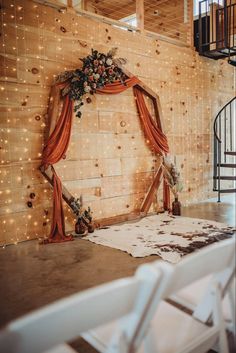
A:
217, 28
224, 145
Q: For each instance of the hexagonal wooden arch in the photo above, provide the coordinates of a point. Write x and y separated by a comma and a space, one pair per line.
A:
53, 111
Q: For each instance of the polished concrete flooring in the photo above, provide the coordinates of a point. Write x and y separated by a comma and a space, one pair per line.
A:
32, 275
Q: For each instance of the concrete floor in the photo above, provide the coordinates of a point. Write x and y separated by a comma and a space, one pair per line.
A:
32, 275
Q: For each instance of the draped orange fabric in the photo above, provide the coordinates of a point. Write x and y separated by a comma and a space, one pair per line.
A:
58, 142
54, 150
158, 140
156, 137
57, 233
118, 87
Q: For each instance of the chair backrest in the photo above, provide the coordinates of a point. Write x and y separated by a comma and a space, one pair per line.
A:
134, 300
65, 319
225, 280
215, 259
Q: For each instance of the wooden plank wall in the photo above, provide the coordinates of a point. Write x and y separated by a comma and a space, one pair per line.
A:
108, 160
166, 18
171, 18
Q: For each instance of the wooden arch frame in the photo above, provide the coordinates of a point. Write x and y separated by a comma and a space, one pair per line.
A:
53, 110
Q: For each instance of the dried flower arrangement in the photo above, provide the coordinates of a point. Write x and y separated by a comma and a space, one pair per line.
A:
172, 177
84, 216
98, 70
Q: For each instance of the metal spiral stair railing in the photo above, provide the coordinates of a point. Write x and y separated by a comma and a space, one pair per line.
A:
225, 149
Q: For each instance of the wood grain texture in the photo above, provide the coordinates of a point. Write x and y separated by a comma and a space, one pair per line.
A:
107, 188
107, 142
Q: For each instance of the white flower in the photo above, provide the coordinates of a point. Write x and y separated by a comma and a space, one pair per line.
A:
96, 76
109, 61
87, 89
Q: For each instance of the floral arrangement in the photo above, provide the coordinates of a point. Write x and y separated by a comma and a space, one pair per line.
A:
172, 177
77, 207
98, 70
84, 216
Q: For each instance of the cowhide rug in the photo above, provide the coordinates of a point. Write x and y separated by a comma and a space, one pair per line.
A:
164, 235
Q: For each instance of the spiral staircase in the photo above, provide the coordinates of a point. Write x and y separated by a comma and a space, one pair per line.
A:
224, 176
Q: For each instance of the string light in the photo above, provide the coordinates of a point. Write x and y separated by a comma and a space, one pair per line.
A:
110, 149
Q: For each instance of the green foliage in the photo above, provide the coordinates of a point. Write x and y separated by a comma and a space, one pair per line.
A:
77, 207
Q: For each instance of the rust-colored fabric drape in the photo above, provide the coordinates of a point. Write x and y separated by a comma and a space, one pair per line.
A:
118, 87
55, 150
158, 140
57, 233
58, 142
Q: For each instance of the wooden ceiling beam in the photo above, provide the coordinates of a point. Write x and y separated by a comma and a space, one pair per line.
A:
125, 8
140, 15
87, 5
160, 2
120, 12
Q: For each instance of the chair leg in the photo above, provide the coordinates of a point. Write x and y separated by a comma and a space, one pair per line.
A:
149, 343
223, 343
218, 319
231, 294
118, 344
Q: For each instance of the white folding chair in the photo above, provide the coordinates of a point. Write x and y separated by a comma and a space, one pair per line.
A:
166, 329
47, 329
194, 298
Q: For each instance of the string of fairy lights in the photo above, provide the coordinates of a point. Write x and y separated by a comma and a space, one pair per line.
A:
18, 223
107, 146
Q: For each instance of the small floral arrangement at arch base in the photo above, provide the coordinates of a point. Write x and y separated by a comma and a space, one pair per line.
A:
98, 70
172, 177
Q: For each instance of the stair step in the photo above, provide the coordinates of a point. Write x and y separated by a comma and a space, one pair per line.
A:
232, 62
230, 153
215, 55
226, 191
225, 177
228, 51
227, 165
